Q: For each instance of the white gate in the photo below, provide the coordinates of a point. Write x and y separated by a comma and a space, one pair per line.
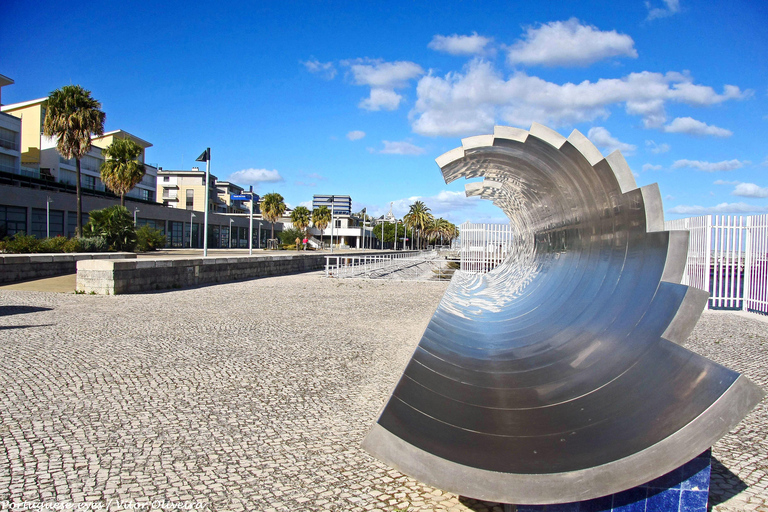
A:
728, 256
484, 246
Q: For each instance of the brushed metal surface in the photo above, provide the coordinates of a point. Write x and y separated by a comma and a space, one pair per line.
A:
559, 375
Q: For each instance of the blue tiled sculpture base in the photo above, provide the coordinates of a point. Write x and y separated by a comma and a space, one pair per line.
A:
686, 489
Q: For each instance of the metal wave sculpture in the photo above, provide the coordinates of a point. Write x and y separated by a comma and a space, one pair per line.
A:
559, 376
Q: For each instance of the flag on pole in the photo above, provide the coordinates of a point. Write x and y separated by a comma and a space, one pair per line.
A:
205, 157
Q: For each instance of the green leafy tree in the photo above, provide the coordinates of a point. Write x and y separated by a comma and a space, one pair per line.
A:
149, 239
389, 232
289, 236
301, 217
72, 116
115, 224
272, 208
121, 171
418, 217
321, 217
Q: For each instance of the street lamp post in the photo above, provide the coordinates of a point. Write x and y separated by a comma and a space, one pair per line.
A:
395, 235
259, 241
48, 217
206, 157
135, 211
190, 226
332, 223
250, 226
230, 232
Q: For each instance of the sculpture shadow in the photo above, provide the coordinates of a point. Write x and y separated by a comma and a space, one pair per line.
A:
723, 485
21, 310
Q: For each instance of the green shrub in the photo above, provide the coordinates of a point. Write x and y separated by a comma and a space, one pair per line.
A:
149, 239
21, 243
289, 236
93, 244
115, 224
55, 244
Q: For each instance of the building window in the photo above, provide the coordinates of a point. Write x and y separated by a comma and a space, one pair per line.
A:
338, 223
175, 234
72, 222
146, 195
89, 182
8, 139
13, 219
39, 222
166, 178
190, 199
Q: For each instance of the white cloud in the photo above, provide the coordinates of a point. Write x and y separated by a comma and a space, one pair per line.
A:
691, 126
254, 176
447, 204
377, 73
651, 167
656, 148
401, 148
460, 45
383, 78
725, 165
670, 7
750, 190
381, 99
472, 101
325, 69
569, 44
719, 209
355, 135
669, 198
724, 182
602, 138
306, 204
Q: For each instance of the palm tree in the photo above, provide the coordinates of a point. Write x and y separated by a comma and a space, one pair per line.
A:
272, 208
418, 216
301, 217
321, 217
121, 171
72, 117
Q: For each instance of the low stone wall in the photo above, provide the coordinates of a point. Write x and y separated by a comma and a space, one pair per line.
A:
22, 267
136, 276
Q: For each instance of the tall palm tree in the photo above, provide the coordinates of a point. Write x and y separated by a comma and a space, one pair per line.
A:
321, 217
72, 117
272, 208
121, 171
418, 216
301, 217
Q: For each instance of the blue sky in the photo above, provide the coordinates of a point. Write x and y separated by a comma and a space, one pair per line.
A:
359, 98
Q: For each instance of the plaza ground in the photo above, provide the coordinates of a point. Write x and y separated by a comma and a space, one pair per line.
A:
256, 395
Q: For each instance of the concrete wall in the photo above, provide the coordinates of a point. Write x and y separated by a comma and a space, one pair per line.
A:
136, 276
21, 267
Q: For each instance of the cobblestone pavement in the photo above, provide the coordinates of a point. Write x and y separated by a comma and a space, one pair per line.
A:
255, 396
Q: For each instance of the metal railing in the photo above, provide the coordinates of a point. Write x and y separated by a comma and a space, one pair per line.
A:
484, 246
409, 265
728, 257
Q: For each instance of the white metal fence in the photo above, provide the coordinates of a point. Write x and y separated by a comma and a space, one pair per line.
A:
728, 256
484, 246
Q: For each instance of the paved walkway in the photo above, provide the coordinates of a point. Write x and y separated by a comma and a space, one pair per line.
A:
255, 396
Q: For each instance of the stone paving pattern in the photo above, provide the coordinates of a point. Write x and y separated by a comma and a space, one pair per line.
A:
255, 396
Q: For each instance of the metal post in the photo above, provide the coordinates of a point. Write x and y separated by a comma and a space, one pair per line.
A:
207, 189
230, 232
332, 223
395, 249
259, 238
48, 217
190, 228
135, 211
250, 227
